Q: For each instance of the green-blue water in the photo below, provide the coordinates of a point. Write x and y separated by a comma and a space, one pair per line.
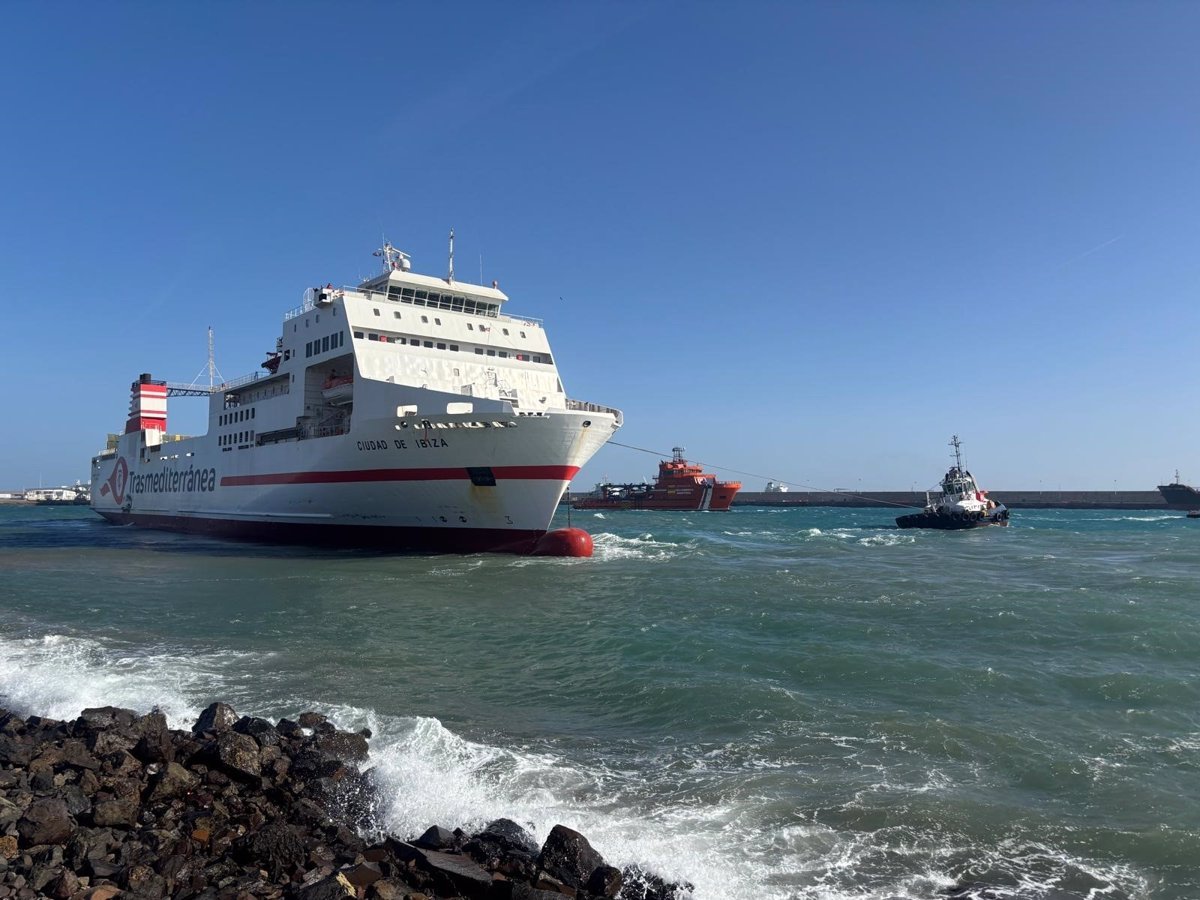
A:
769, 703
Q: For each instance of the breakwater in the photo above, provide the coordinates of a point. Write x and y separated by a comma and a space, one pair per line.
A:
1011, 499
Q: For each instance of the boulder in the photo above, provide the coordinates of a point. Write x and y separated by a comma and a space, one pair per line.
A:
569, 857
45, 821
275, 847
238, 754
260, 729
342, 745
605, 881
173, 781
115, 814
436, 838
217, 717
335, 887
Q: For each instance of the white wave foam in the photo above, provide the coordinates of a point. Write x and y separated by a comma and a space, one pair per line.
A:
59, 675
610, 546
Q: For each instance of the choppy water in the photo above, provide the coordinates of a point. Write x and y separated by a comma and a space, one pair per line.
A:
768, 703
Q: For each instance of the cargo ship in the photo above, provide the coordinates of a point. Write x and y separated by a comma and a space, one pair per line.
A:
960, 504
408, 413
680, 485
1179, 495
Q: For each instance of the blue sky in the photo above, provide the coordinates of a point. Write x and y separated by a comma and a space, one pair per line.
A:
808, 241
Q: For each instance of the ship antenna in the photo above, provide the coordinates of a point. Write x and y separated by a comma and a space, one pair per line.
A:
954, 442
450, 277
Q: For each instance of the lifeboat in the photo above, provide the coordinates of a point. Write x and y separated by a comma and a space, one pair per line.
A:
338, 389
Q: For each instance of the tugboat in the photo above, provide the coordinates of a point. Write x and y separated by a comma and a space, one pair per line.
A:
679, 485
960, 505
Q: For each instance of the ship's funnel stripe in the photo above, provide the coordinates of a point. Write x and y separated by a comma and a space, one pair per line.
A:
457, 473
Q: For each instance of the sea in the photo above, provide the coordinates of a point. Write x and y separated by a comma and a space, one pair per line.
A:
765, 703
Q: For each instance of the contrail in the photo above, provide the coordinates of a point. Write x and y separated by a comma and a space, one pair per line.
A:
1090, 252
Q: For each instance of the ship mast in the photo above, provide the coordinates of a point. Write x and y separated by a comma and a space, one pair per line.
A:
450, 277
958, 463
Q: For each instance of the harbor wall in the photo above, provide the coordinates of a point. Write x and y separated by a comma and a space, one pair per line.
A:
1011, 499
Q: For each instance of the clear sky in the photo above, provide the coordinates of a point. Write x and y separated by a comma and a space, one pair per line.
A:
808, 241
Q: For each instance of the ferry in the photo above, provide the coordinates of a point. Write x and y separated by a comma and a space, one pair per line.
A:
409, 412
679, 485
961, 504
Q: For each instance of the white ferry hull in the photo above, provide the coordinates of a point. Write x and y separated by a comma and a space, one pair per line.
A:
381, 486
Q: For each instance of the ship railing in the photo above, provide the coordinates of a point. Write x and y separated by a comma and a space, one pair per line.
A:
584, 406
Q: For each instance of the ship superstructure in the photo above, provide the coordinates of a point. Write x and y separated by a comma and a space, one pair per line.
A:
408, 412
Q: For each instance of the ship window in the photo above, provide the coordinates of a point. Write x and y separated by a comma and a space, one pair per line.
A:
396, 313
252, 412
469, 306
287, 354
470, 327
491, 353
441, 346
458, 304
419, 297
537, 359
429, 344
437, 321
504, 353
308, 350
376, 311
358, 334
425, 319
522, 334
454, 347
317, 317
479, 350
372, 337
325, 344
335, 310
505, 330
407, 293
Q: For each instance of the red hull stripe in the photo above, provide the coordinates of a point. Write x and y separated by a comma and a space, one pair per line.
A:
456, 473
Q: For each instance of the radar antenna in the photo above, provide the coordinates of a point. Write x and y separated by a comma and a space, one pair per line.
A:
450, 277
393, 260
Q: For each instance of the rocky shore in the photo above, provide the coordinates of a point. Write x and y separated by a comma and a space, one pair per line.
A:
116, 804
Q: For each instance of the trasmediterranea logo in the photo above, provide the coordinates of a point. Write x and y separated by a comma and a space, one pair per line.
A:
117, 482
167, 481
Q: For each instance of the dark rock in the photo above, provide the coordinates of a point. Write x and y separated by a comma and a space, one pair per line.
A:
77, 801
605, 881
342, 745
275, 847
106, 743
154, 744
363, 874
218, 717
66, 885
76, 755
16, 750
238, 754
455, 874
508, 837
436, 838
102, 717
569, 857
173, 781
311, 719
259, 729
45, 821
515, 890
115, 813
289, 729
334, 887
